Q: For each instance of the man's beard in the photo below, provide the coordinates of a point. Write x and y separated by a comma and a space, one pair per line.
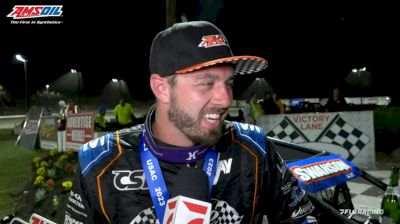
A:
191, 127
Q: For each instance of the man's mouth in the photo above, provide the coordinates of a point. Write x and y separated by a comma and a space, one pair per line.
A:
212, 117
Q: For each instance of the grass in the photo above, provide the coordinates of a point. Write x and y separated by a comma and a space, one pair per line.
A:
15, 171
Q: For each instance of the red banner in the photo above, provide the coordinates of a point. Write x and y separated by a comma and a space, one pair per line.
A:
79, 129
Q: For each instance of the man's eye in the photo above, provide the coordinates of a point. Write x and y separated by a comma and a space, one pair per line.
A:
207, 84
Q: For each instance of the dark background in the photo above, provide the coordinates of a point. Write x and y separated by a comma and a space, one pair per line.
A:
311, 47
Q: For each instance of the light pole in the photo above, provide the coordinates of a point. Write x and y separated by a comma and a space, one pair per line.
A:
47, 90
25, 61
358, 73
119, 87
78, 75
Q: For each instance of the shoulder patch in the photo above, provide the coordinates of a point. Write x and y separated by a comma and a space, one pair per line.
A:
251, 134
91, 153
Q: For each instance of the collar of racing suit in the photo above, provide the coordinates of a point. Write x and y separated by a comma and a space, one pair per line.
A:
170, 153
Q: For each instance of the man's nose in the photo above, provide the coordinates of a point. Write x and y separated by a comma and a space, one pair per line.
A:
223, 96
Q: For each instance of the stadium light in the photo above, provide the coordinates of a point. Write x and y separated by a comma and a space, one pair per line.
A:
22, 59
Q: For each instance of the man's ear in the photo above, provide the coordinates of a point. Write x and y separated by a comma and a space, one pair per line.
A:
160, 87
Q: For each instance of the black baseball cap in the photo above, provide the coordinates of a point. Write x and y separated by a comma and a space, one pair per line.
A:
189, 46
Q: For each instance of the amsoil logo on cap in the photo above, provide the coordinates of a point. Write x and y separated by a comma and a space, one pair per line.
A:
213, 41
35, 11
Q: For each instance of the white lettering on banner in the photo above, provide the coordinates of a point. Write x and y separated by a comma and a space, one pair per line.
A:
78, 135
311, 172
311, 122
79, 122
160, 197
150, 166
209, 166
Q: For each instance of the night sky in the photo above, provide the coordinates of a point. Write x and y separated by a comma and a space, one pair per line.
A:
310, 47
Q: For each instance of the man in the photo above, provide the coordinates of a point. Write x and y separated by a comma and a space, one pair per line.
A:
62, 115
124, 114
252, 110
71, 108
268, 104
100, 123
128, 177
336, 102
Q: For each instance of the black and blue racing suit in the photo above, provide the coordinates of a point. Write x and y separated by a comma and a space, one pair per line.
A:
251, 181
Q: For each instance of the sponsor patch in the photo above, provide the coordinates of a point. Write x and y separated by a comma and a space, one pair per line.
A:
303, 210
213, 41
126, 180
70, 220
316, 174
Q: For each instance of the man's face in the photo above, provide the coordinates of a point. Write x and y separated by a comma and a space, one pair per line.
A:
336, 93
199, 103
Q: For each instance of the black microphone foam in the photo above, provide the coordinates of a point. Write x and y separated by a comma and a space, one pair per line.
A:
190, 182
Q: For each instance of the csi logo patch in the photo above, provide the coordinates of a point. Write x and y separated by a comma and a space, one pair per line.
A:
126, 180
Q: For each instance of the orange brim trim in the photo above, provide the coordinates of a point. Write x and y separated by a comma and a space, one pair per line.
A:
218, 61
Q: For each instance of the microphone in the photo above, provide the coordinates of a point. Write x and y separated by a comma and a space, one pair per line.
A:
189, 206
184, 210
37, 219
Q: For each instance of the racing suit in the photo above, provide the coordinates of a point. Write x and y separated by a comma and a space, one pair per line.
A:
251, 181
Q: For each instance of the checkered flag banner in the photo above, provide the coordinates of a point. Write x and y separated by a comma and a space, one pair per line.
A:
343, 134
287, 131
146, 217
223, 213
